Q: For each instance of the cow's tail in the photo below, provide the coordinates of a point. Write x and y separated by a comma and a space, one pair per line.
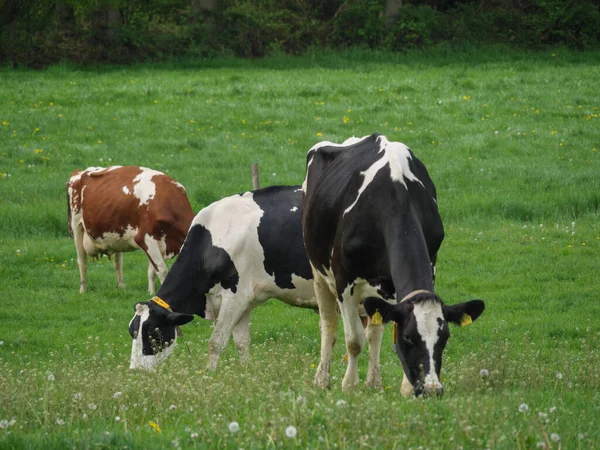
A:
69, 213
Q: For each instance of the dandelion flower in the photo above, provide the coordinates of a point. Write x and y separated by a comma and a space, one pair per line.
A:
484, 373
340, 403
193, 435
234, 427
51, 377
559, 376
92, 406
523, 407
291, 431
117, 394
155, 426
554, 437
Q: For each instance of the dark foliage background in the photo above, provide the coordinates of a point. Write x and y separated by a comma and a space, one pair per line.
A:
41, 32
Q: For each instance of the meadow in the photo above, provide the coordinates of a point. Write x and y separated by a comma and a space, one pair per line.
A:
511, 140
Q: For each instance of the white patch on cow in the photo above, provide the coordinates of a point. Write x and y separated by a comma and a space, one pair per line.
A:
138, 359
294, 209
428, 314
126, 190
179, 185
396, 156
111, 242
368, 176
143, 186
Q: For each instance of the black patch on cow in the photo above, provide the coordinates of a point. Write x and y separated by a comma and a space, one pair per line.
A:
198, 268
280, 234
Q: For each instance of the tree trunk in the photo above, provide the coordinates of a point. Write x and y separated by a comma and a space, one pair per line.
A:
392, 10
65, 18
198, 6
113, 23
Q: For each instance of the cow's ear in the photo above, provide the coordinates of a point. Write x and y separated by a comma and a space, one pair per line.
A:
179, 318
464, 313
380, 311
139, 307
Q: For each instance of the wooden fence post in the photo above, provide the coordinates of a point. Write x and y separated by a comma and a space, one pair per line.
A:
255, 179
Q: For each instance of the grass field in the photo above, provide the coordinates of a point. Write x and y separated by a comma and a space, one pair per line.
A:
511, 141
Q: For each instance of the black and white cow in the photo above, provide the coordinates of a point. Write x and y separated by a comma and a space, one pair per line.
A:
239, 252
372, 231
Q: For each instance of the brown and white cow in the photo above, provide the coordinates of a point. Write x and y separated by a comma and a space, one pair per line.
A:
124, 208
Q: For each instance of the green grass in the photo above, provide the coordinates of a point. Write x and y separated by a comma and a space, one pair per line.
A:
511, 141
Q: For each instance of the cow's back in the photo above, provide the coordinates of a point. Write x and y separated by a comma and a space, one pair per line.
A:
261, 231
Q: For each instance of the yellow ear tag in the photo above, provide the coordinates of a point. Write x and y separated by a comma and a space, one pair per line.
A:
159, 301
377, 319
465, 320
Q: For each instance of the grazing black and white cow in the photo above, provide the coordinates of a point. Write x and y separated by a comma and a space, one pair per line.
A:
239, 252
372, 231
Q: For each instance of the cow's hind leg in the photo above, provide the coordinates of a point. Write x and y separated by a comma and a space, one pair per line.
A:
233, 309
241, 337
118, 262
152, 249
329, 328
81, 257
354, 335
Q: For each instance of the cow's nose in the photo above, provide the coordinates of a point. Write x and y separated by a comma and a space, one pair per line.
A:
433, 391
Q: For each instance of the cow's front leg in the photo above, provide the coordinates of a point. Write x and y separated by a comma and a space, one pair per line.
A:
355, 341
329, 328
374, 338
233, 308
118, 262
241, 337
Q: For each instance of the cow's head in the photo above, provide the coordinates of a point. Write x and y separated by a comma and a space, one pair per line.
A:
422, 333
153, 332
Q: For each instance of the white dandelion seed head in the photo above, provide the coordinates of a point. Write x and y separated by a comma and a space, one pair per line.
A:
552, 409
540, 444
172, 407
554, 437
77, 396
92, 406
291, 431
559, 376
84, 416
523, 407
59, 422
51, 377
484, 373
193, 435
117, 419
117, 394
341, 403
542, 415
581, 436
234, 427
